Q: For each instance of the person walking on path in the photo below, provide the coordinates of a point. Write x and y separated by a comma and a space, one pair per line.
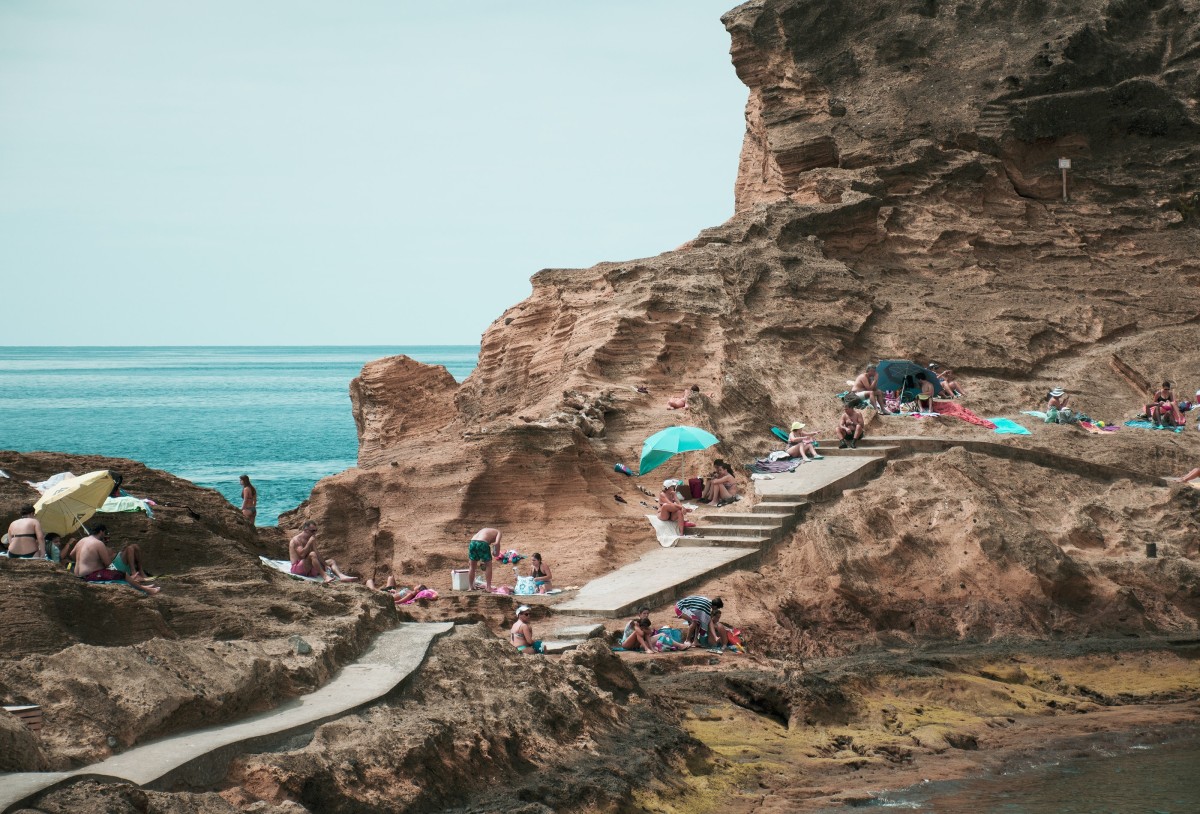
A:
483, 548
249, 499
306, 562
26, 540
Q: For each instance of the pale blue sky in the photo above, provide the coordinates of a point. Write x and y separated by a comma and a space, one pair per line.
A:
383, 172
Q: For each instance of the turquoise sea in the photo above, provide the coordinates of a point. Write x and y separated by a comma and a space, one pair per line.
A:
209, 414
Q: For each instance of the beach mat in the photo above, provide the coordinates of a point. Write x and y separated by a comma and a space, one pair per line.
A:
1148, 425
285, 567
1006, 426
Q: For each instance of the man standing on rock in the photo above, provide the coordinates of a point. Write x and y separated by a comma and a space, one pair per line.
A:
483, 548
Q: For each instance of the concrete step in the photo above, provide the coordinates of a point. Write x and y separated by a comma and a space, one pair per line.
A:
662, 575
720, 541
775, 506
737, 530
569, 637
754, 518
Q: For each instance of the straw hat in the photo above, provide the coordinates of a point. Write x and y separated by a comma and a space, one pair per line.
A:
797, 425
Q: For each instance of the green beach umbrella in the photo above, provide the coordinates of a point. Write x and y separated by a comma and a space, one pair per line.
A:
672, 441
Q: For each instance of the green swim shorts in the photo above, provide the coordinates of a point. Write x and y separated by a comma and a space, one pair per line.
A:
480, 551
118, 564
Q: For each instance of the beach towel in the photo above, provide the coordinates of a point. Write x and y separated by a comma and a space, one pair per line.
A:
666, 531
1006, 426
765, 465
125, 503
1035, 413
1092, 428
778, 433
953, 409
1146, 425
285, 567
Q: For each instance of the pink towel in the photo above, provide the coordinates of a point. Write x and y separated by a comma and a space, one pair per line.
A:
953, 409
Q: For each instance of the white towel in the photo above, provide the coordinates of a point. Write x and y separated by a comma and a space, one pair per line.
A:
667, 531
285, 567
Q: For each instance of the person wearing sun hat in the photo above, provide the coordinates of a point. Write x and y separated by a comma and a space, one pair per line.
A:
1058, 401
521, 634
671, 508
800, 443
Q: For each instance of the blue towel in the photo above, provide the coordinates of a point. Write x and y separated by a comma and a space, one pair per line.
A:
1006, 426
1035, 413
1146, 425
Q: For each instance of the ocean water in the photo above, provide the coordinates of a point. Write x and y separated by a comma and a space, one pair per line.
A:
209, 414
1158, 776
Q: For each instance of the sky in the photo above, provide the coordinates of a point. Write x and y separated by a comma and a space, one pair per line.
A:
383, 172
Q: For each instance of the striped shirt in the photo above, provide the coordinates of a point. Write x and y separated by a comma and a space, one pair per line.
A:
693, 604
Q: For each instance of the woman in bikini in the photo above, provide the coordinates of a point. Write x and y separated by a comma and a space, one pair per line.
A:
540, 573
800, 443
25, 537
521, 634
249, 499
1164, 407
671, 508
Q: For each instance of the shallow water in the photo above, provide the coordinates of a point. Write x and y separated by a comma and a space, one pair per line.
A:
208, 414
1158, 777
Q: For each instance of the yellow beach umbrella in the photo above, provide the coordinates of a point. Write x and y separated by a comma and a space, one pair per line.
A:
68, 505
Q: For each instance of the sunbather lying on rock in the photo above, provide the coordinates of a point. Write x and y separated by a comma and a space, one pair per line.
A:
1191, 476
680, 402
390, 587
94, 562
950, 387
851, 427
800, 443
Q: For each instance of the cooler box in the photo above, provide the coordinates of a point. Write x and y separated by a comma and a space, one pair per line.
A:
458, 580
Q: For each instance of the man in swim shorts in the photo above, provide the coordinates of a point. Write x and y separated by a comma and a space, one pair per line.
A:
521, 634
483, 548
866, 387
25, 537
94, 562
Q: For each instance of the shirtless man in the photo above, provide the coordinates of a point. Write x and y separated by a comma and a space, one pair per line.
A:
25, 537
521, 634
249, 499
866, 386
925, 397
483, 548
850, 429
94, 562
302, 550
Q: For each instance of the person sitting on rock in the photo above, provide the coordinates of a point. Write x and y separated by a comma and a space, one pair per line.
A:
94, 562
925, 396
724, 484
26, 540
306, 562
950, 387
851, 427
542, 578
1164, 411
639, 637
866, 387
1058, 406
697, 611
671, 508
521, 634
800, 443
642, 613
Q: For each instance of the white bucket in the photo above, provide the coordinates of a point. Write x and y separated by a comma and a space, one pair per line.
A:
458, 580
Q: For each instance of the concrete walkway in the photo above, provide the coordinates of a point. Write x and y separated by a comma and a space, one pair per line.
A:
725, 539
201, 758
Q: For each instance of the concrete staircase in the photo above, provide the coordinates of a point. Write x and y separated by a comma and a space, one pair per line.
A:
729, 539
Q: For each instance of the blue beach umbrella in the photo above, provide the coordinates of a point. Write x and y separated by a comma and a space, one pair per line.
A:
670, 442
897, 374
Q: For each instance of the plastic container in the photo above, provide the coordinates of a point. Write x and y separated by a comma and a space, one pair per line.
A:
458, 580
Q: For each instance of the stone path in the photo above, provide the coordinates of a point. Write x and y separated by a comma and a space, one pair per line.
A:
200, 758
726, 539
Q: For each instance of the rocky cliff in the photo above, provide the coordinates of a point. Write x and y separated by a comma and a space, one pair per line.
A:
898, 197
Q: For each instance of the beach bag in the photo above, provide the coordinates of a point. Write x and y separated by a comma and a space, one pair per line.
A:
525, 586
696, 485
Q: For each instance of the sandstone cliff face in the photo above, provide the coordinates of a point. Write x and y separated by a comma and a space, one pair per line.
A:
898, 197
